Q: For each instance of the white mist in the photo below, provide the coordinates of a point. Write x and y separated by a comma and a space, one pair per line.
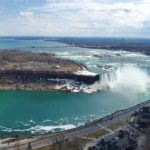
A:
131, 79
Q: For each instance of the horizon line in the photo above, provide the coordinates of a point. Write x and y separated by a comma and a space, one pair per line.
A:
44, 36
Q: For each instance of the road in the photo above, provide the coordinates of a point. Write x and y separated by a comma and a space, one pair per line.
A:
40, 141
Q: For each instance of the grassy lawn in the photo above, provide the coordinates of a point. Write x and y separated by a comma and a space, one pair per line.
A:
97, 134
67, 145
115, 126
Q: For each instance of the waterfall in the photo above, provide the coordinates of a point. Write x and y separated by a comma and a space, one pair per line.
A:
129, 77
109, 77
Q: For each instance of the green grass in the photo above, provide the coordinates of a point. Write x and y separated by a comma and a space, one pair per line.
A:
67, 145
115, 126
97, 134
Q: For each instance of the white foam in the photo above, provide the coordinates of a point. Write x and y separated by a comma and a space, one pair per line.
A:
39, 128
31, 121
51, 128
85, 72
129, 54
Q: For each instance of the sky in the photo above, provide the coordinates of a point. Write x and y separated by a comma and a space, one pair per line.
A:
96, 18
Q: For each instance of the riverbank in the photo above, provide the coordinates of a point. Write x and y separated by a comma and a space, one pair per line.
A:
114, 44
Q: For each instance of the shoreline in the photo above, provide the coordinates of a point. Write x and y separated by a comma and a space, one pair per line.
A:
106, 44
80, 131
70, 87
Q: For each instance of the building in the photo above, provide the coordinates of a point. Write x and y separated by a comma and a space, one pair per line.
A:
144, 117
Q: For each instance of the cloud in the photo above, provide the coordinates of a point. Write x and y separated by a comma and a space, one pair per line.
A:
26, 13
94, 16
86, 18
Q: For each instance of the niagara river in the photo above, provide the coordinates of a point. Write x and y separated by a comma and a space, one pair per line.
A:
127, 74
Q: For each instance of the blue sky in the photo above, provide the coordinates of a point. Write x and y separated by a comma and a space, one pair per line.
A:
100, 18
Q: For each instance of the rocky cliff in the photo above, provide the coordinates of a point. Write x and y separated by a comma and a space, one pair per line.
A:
30, 76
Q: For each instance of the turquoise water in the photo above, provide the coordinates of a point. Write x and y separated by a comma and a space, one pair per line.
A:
23, 112
34, 112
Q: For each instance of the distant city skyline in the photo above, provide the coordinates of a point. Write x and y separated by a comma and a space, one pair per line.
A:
85, 18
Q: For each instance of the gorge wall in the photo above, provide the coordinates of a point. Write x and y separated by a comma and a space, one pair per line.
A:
25, 76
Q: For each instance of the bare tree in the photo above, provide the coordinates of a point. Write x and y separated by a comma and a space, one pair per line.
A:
29, 146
